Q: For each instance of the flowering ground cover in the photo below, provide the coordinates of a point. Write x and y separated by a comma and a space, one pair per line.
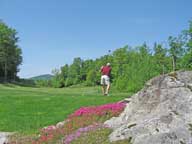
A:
79, 123
84, 122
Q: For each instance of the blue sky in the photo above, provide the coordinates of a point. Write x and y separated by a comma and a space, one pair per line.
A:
53, 32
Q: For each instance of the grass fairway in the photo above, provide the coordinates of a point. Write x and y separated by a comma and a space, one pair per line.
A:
26, 110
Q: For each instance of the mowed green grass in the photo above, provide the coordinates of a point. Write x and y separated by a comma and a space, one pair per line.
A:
26, 110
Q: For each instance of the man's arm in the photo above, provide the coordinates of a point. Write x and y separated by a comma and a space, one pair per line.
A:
101, 69
110, 72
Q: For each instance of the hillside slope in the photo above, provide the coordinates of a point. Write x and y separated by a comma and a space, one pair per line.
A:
42, 77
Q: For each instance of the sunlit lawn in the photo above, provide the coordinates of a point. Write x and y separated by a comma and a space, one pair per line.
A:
25, 109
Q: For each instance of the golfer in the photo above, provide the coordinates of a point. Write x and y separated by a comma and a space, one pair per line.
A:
105, 78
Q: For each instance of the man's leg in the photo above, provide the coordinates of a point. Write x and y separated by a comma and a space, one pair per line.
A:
107, 85
103, 89
107, 89
103, 85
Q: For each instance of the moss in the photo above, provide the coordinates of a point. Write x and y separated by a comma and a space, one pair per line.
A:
173, 75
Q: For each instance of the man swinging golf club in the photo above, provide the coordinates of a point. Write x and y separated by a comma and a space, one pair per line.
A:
105, 78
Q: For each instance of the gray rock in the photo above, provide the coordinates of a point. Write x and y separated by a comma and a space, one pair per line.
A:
161, 113
4, 137
60, 124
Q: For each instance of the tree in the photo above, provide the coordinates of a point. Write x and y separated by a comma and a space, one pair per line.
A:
56, 81
144, 49
187, 59
176, 50
64, 73
10, 53
74, 72
189, 37
160, 57
120, 58
87, 65
91, 79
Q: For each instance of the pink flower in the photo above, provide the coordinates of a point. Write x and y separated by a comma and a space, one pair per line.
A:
81, 131
99, 110
81, 121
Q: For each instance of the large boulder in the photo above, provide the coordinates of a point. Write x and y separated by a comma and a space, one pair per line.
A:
161, 113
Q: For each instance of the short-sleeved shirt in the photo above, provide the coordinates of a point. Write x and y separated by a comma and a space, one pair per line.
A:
106, 70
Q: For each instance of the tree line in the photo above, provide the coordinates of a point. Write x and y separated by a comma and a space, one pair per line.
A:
131, 66
10, 53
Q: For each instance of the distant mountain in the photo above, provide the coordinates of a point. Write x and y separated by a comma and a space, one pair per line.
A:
42, 77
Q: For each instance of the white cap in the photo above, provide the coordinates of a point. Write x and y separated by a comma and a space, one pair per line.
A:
108, 64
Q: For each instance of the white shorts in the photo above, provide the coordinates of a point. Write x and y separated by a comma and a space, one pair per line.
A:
105, 80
